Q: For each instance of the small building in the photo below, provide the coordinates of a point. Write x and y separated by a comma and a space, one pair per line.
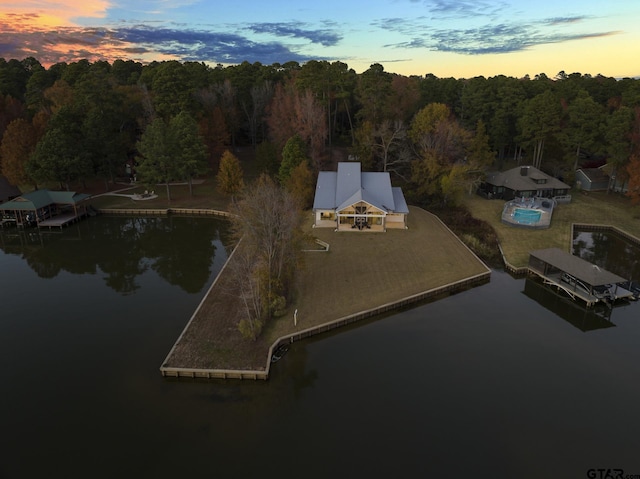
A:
352, 200
45, 208
592, 179
7, 190
524, 182
577, 277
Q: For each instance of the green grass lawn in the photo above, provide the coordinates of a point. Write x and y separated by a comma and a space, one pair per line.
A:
593, 208
205, 195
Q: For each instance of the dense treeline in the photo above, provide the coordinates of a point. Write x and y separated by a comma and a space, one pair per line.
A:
172, 120
169, 121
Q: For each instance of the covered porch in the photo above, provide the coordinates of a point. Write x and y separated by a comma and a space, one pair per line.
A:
362, 217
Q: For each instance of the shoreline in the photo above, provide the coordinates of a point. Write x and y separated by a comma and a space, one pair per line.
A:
263, 374
200, 332
270, 340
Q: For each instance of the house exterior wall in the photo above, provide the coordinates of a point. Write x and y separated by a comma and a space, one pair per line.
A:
395, 221
324, 219
620, 186
584, 182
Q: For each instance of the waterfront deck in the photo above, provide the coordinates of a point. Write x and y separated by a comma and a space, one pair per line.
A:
576, 292
59, 221
578, 278
7, 222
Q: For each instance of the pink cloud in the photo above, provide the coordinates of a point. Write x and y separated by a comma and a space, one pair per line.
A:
59, 13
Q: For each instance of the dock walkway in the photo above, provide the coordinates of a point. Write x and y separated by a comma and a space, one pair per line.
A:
59, 221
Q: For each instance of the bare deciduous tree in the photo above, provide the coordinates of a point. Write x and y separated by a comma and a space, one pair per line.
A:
246, 286
267, 219
292, 112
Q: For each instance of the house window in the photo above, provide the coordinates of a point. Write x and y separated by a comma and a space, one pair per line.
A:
327, 215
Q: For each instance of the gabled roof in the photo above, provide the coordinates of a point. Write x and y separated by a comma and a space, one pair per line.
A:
595, 175
524, 178
41, 198
399, 201
577, 267
349, 185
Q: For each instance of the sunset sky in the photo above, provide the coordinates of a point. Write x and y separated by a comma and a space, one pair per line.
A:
449, 38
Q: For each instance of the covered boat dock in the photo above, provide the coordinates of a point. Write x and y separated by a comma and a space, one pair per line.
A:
577, 277
45, 208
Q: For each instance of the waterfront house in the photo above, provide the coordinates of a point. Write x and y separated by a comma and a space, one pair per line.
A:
524, 182
45, 207
352, 200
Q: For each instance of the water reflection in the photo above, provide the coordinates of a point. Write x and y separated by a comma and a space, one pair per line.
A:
181, 250
609, 251
575, 313
488, 375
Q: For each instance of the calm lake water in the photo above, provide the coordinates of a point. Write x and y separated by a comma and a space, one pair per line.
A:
503, 380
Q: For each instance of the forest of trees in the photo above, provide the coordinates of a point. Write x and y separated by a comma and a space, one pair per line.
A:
72, 122
437, 137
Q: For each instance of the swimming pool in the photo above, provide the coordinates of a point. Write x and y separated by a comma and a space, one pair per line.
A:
526, 216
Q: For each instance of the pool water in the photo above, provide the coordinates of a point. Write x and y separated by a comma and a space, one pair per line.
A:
526, 216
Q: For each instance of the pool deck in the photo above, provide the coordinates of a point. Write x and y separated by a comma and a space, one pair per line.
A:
528, 204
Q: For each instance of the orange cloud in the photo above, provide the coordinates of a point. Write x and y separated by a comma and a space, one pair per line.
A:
50, 14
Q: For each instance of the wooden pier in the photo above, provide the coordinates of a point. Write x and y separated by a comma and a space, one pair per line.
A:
59, 221
7, 221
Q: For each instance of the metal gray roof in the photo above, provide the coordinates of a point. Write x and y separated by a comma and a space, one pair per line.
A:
349, 182
325, 198
400, 202
577, 267
349, 185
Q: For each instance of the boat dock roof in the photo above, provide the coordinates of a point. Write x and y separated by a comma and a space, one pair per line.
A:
577, 267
